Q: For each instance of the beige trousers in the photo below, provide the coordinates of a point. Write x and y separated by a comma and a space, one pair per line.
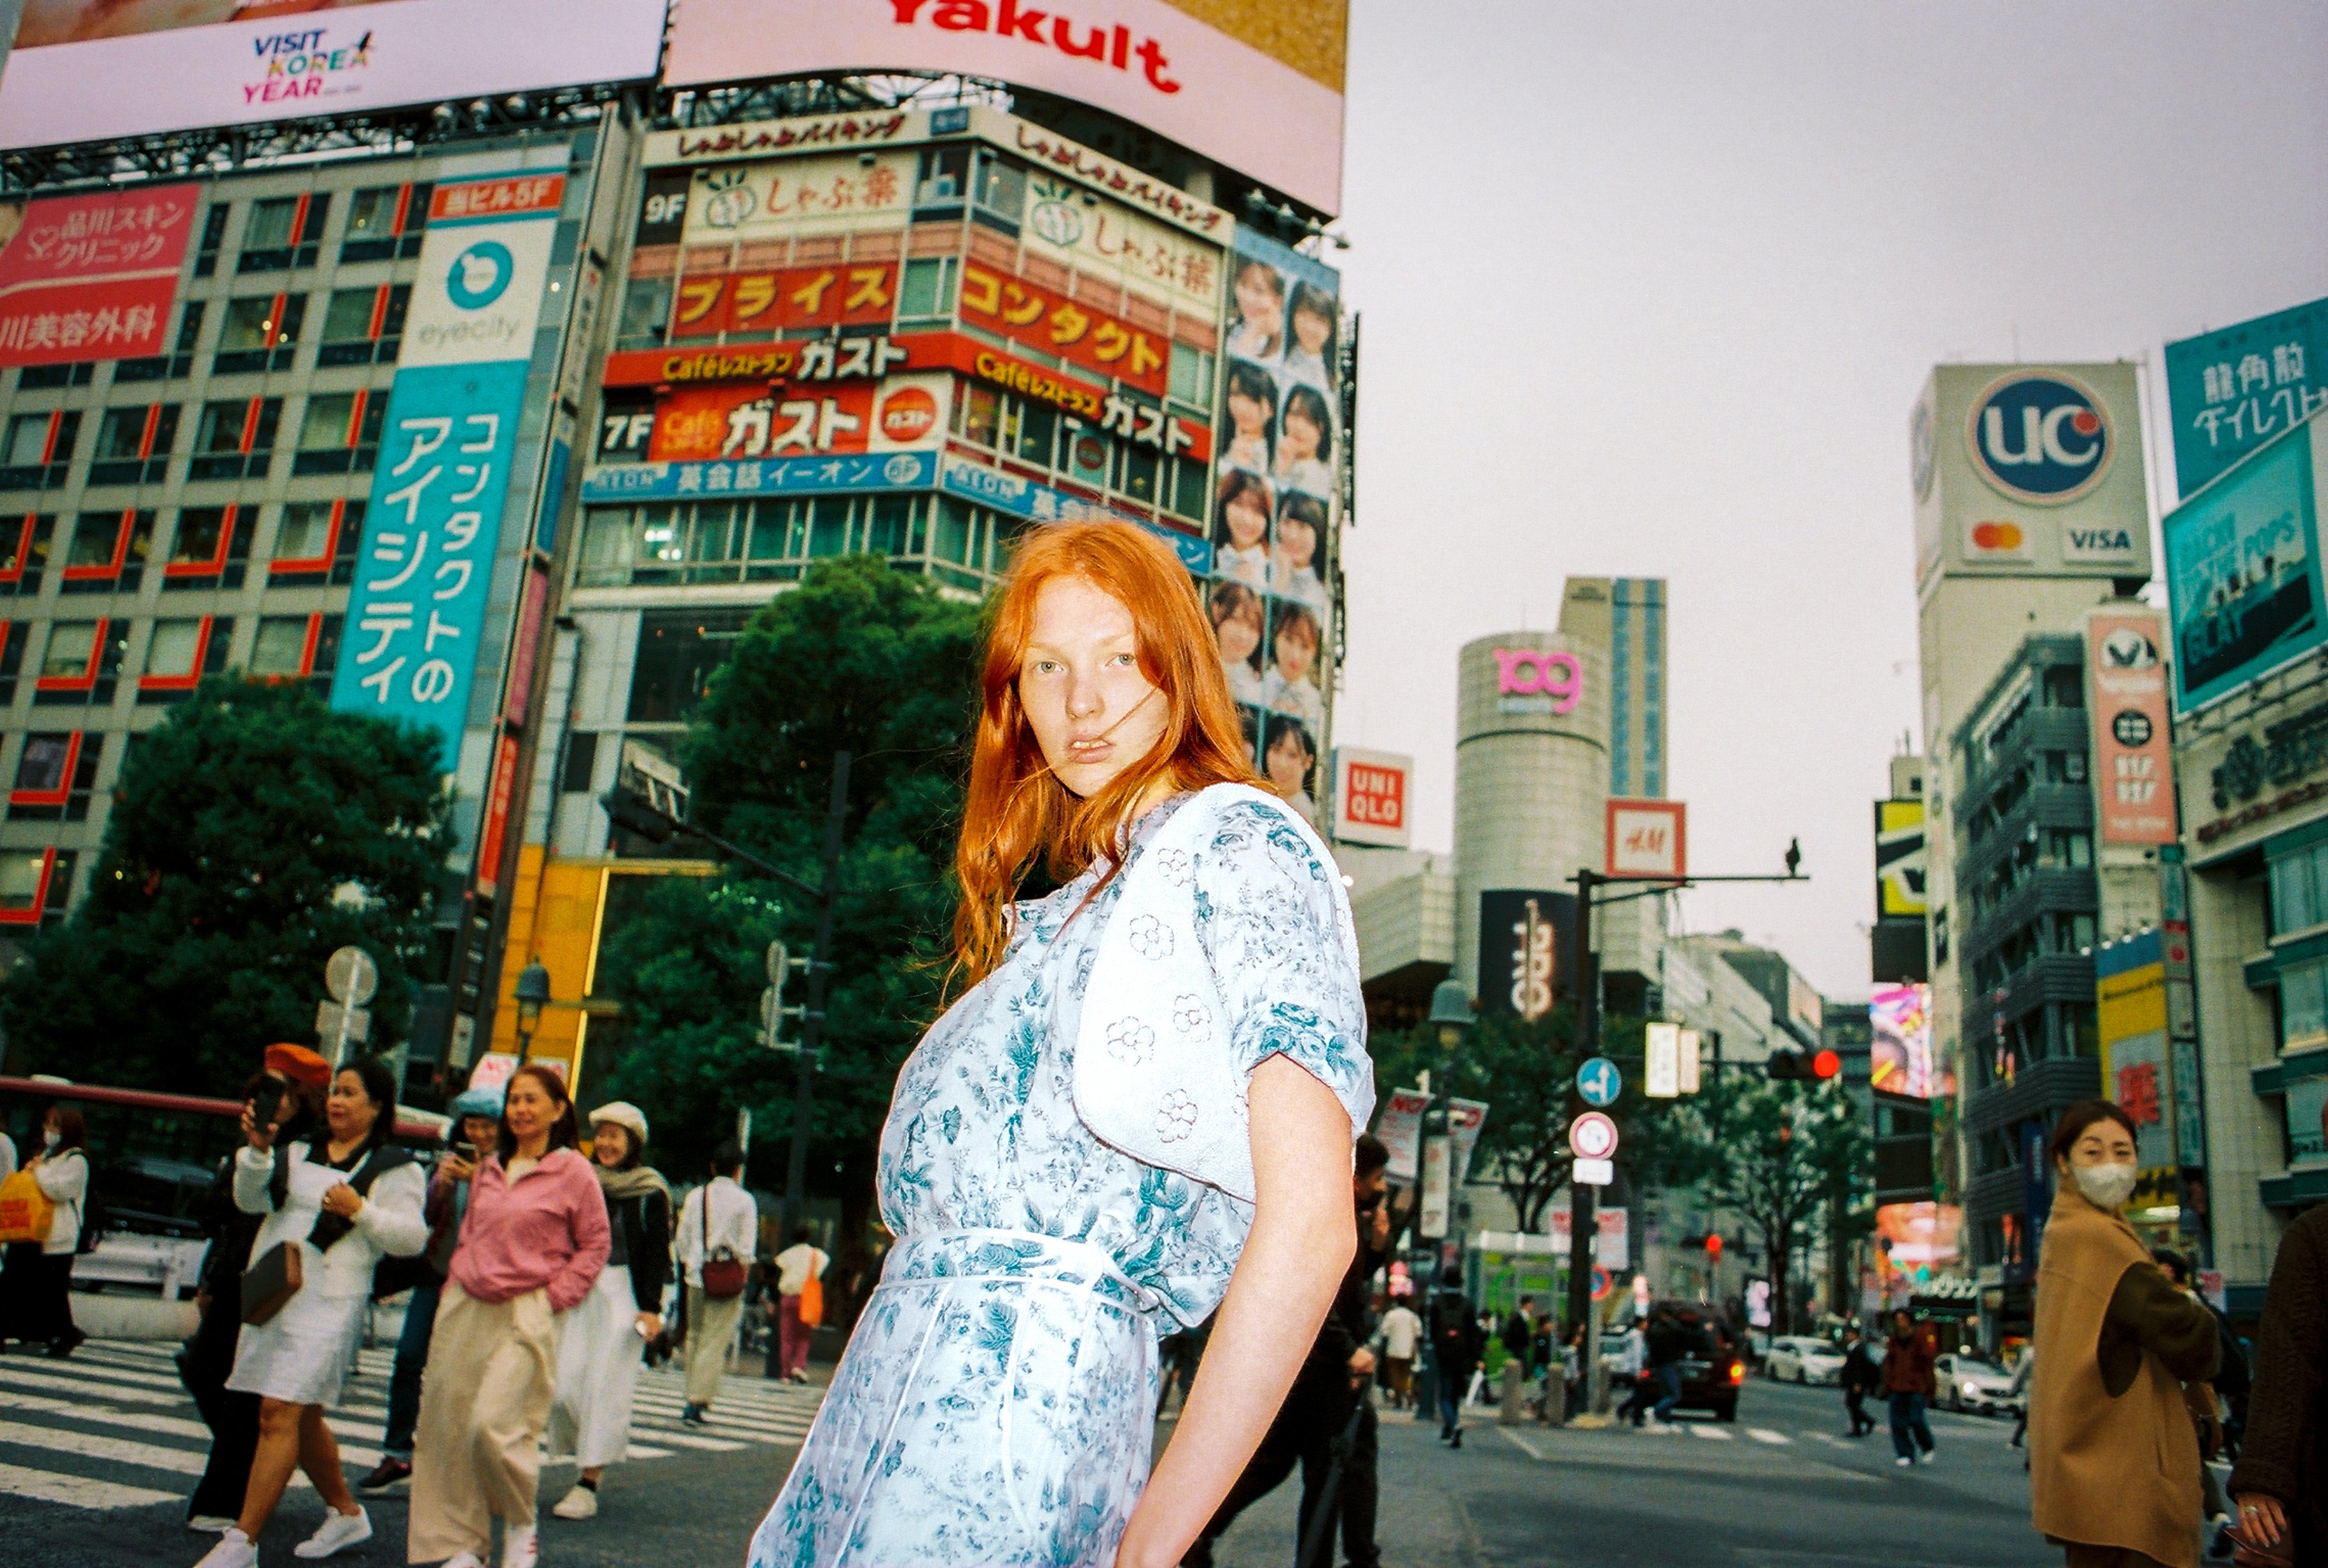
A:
478, 1451
711, 1331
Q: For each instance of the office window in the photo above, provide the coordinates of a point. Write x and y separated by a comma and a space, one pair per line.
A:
23, 553
646, 322
678, 652
180, 653
175, 365
235, 438
385, 223
925, 294
206, 254
283, 233
339, 432
580, 763
295, 647
36, 449
47, 378
364, 325
134, 444
108, 552
55, 774
81, 663
210, 548
13, 635
259, 332
1191, 377
315, 541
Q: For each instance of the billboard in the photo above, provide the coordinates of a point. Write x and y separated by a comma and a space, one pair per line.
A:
1914, 1242
2134, 761
2243, 570
92, 277
1372, 791
2137, 1067
2030, 470
1525, 945
1900, 1059
101, 69
2231, 391
1900, 860
1256, 88
418, 607
1647, 838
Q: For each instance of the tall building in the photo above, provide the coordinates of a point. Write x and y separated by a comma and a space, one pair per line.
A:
1626, 619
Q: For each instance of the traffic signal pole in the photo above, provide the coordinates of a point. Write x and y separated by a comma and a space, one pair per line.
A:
1583, 1199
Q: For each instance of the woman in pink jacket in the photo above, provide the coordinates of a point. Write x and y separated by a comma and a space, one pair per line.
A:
532, 1243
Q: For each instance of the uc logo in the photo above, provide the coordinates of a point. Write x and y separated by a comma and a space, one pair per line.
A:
2041, 437
481, 275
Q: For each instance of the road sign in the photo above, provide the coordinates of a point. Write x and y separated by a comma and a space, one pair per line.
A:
336, 1025
1601, 1284
1592, 1136
1661, 1044
351, 977
1600, 1082
1594, 1172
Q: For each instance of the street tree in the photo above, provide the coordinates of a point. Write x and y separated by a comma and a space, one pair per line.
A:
253, 831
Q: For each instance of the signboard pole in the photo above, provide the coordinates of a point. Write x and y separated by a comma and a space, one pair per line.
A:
1582, 1206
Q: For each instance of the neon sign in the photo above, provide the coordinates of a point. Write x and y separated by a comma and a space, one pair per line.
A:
1525, 672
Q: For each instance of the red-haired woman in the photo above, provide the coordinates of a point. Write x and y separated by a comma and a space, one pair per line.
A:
1141, 1110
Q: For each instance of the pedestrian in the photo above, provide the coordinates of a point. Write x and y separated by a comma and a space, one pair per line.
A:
2113, 1455
1399, 1333
606, 1335
2019, 1394
1860, 1378
1456, 1342
798, 1266
2205, 1402
36, 1285
477, 1115
1908, 1387
287, 1096
1518, 1331
1633, 1366
2280, 1484
719, 1225
532, 1243
1327, 1424
341, 1201
1668, 1342
1144, 1107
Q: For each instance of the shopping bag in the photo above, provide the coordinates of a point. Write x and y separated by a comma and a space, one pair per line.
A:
25, 1210
812, 1307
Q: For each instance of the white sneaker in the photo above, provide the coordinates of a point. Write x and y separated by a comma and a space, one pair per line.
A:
338, 1532
581, 1503
1905, 1464
234, 1549
520, 1546
465, 1560
211, 1524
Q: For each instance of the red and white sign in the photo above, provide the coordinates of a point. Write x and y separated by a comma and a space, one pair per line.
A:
1592, 1136
2134, 764
702, 424
1613, 1228
1146, 61
93, 278
1400, 1127
1372, 792
1649, 838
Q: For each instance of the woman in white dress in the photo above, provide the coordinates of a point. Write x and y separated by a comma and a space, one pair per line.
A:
343, 1201
606, 1335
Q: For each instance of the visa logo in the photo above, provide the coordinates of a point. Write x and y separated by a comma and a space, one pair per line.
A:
2100, 541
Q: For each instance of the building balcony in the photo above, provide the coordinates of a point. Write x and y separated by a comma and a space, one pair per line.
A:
2035, 1090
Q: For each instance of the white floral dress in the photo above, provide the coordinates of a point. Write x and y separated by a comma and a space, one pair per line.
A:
996, 1401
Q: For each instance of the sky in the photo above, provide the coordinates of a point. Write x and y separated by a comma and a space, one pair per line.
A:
1649, 290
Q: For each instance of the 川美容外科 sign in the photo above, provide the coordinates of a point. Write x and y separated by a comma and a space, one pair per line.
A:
83, 71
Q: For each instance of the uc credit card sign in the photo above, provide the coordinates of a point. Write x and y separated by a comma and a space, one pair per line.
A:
417, 609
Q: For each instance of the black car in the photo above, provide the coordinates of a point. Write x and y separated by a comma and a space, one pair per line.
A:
1713, 1362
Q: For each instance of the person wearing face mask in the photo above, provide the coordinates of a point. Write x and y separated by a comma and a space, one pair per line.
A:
36, 1285
2113, 1455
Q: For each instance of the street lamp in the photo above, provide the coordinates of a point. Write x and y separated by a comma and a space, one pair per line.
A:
1451, 1015
532, 996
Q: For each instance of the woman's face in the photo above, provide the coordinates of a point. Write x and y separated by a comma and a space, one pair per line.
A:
2103, 1143
349, 1112
1248, 520
1297, 440
528, 1110
1311, 330
1249, 414
1094, 710
1297, 541
1295, 655
52, 1123
1237, 636
610, 1143
1257, 302
480, 1131
1289, 763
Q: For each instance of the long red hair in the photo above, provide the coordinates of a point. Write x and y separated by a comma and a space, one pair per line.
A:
1016, 809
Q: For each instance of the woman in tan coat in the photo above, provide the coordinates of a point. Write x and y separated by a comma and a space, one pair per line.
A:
2113, 1449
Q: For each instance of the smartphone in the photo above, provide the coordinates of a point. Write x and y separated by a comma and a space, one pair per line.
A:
468, 1151
266, 1102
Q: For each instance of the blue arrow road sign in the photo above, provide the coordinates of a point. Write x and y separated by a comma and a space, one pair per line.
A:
1599, 1081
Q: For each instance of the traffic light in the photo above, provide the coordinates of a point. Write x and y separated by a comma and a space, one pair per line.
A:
1825, 1065
1811, 1065
1714, 1248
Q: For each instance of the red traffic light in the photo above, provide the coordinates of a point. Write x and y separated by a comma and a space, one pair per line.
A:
1714, 1246
1825, 1065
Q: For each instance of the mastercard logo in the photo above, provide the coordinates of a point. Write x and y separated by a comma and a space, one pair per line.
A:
909, 414
1997, 536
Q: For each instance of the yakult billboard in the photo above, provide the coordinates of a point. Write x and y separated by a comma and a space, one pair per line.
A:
1263, 95
95, 69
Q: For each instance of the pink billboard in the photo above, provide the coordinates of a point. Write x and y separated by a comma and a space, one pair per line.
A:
93, 278
1274, 112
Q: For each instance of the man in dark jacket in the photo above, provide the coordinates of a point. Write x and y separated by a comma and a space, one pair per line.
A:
1668, 1342
1455, 1343
1518, 1330
1329, 1416
2280, 1485
1909, 1385
1860, 1378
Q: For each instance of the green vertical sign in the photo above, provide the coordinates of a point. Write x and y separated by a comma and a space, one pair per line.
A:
2228, 392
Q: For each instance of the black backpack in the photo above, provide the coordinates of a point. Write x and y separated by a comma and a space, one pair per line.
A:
1452, 1327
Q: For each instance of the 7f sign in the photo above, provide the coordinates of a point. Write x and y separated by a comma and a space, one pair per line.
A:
1648, 840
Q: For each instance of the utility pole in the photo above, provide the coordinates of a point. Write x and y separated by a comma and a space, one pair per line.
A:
1584, 1198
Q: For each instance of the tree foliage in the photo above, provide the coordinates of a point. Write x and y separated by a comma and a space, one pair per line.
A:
860, 657
253, 831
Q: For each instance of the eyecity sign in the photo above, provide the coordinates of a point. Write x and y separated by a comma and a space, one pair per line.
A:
1525, 672
2041, 437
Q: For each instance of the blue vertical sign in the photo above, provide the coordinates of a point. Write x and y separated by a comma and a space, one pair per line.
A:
417, 609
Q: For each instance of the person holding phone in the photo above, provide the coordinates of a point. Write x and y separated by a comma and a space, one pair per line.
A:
608, 1335
340, 1202
477, 1116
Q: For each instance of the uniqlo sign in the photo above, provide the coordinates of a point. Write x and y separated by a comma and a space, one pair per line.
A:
1371, 791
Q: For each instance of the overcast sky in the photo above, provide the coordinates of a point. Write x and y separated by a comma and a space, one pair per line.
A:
1649, 290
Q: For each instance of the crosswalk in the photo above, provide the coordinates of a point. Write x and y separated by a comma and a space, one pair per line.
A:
113, 1428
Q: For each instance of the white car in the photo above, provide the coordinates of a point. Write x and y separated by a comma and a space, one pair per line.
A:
1802, 1358
1964, 1381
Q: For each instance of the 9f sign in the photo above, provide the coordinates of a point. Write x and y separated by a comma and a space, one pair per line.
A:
1525, 673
